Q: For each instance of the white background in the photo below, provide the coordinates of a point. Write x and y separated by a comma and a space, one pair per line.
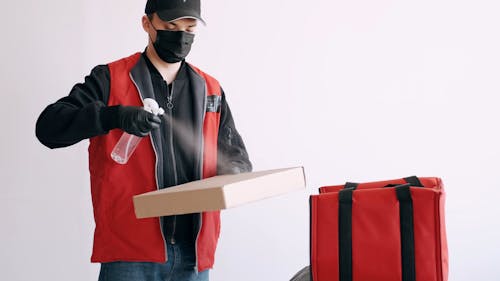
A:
355, 90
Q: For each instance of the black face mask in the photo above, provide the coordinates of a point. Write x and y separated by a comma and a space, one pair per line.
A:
173, 46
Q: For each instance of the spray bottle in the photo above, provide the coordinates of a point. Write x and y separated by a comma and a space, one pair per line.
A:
128, 143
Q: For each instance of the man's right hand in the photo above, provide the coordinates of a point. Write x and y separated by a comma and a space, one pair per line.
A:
137, 121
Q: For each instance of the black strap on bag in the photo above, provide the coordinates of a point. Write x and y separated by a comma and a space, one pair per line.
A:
407, 235
406, 224
351, 185
413, 181
345, 234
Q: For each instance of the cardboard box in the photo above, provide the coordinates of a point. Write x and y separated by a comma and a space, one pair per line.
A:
219, 192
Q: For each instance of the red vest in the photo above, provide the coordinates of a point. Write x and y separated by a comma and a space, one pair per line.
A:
119, 235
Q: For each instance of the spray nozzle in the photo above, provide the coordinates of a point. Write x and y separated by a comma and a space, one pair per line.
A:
152, 106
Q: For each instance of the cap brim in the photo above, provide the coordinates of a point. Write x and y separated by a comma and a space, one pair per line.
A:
172, 15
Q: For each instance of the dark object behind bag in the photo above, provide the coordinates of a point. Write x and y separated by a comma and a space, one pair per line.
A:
379, 231
303, 275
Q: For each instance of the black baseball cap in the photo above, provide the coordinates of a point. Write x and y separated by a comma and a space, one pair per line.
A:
170, 10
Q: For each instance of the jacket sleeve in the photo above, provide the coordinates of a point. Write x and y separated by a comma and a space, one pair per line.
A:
80, 115
232, 154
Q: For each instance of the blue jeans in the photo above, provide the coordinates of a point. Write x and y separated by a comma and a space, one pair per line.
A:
179, 267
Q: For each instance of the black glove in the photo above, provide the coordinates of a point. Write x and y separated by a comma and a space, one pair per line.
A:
136, 121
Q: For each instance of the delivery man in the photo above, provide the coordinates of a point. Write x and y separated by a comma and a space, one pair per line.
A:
195, 138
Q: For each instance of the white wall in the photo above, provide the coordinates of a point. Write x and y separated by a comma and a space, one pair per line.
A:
353, 90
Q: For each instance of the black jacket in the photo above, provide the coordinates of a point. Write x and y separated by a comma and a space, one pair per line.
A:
84, 114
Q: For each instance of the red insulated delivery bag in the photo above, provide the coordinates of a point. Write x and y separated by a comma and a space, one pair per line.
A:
379, 231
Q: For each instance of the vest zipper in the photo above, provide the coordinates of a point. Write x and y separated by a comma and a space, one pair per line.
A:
160, 219
172, 239
170, 107
201, 174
